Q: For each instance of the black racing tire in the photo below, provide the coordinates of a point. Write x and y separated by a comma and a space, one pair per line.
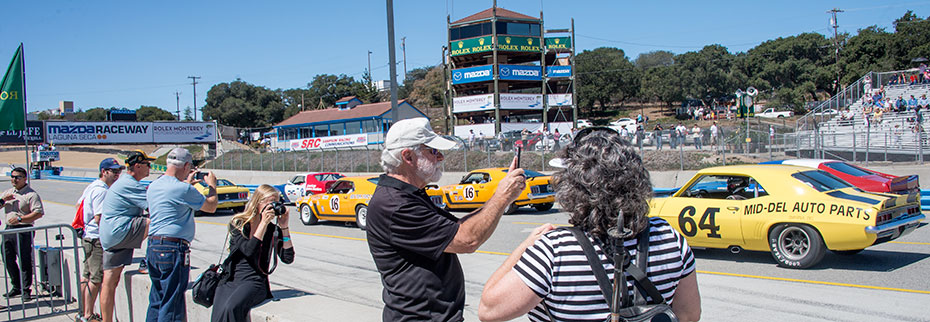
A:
307, 217
847, 252
361, 217
543, 206
511, 208
796, 245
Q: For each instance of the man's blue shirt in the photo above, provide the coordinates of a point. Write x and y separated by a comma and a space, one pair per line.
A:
172, 204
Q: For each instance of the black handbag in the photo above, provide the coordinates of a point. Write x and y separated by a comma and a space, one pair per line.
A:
205, 287
622, 308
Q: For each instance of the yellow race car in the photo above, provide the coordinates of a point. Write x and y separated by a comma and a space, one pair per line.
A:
345, 200
796, 213
230, 195
479, 185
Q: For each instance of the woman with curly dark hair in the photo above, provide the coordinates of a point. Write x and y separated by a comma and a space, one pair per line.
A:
602, 176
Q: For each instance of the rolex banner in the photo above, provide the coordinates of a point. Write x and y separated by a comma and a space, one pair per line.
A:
12, 101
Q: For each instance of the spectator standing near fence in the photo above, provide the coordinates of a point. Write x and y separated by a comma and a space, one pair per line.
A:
657, 133
471, 139
172, 202
714, 131
22, 206
92, 210
682, 133
123, 226
696, 134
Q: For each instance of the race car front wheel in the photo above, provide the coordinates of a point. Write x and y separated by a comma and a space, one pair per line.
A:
361, 217
306, 215
796, 246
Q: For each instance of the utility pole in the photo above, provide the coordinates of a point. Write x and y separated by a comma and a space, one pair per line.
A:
177, 96
370, 78
836, 44
302, 106
194, 82
403, 48
392, 61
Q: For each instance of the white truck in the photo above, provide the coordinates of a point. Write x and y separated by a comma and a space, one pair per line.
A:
772, 113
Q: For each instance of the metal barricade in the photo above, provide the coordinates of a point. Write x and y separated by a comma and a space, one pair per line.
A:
54, 290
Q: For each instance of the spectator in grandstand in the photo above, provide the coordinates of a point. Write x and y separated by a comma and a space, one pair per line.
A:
912, 103
543, 275
923, 102
913, 79
900, 104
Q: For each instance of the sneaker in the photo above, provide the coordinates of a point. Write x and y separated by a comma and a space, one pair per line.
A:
143, 267
27, 296
13, 293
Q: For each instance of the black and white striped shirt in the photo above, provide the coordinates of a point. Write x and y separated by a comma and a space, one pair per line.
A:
556, 269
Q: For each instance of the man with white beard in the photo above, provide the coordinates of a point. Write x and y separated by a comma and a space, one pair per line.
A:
413, 242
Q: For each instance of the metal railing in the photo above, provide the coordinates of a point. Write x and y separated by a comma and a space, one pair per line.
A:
53, 291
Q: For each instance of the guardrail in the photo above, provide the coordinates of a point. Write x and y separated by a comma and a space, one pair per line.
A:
51, 280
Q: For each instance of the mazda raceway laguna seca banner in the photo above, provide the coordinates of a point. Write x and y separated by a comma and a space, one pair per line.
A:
129, 132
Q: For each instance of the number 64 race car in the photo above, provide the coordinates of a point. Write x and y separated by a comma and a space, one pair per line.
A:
796, 213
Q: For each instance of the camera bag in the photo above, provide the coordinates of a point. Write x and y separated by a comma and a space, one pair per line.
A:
205, 287
622, 308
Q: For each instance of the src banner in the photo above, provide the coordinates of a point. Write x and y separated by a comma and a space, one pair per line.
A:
129, 132
35, 132
329, 142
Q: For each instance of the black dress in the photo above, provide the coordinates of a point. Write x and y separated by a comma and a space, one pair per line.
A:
247, 285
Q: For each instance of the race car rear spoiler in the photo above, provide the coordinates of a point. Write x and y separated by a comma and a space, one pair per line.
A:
904, 184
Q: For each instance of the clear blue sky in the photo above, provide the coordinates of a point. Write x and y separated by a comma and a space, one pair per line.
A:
132, 53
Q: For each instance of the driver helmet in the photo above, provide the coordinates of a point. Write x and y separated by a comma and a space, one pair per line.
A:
734, 183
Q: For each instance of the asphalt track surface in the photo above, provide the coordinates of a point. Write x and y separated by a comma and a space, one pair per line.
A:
888, 282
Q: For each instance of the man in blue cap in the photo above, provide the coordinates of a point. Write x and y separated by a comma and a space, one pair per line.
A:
92, 208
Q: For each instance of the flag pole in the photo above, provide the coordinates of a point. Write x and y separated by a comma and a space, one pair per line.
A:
22, 61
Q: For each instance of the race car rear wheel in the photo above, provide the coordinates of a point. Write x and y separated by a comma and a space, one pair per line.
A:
307, 217
796, 246
361, 217
543, 206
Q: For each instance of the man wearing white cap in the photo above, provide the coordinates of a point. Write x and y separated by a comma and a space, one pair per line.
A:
413, 242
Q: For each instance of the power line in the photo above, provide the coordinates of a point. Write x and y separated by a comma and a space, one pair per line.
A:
194, 79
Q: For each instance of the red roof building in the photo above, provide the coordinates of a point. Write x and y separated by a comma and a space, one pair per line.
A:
349, 117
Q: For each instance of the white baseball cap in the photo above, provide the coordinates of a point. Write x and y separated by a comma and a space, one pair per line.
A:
412, 132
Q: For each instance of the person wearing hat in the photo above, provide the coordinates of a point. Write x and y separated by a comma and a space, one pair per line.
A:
123, 226
21, 206
92, 209
413, 242
172, 202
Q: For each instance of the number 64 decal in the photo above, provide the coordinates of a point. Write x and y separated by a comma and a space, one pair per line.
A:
689, 228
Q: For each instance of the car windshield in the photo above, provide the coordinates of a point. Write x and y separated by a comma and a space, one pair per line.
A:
529, 173
821, 180
297, 180
219, 183
848, 169
328, 177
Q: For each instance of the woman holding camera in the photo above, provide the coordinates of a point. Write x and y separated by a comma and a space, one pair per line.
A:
263, 226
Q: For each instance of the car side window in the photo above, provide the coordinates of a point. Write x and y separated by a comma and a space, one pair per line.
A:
728, 187
297, 180
476, 177
341, 187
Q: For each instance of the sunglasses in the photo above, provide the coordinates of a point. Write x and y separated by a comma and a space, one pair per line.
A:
117, 171
18, 177
433, 151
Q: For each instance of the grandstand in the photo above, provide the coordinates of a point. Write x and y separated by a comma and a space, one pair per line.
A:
892, 137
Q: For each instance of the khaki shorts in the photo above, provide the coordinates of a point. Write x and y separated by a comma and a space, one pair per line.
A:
121, 254
93, 260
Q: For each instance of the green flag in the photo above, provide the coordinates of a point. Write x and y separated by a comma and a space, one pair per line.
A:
12, 96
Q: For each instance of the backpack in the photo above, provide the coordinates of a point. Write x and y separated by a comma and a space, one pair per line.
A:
78, 222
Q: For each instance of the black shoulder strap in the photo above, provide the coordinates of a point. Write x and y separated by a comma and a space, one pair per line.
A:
594, 261
638, 272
